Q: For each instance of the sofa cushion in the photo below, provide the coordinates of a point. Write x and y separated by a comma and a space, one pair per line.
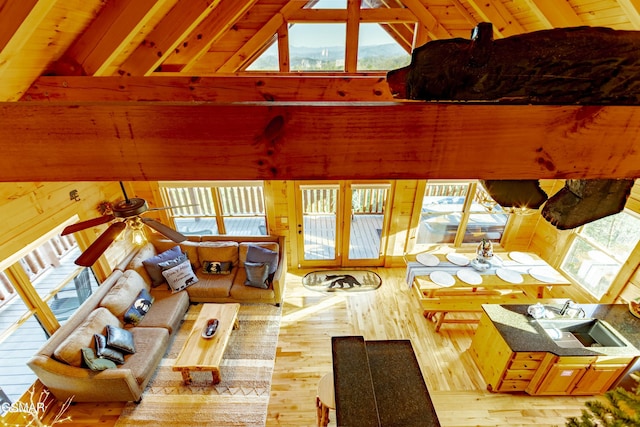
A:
153, 267
212, 286
106, 352
243, 248
96, 363
218, 252
180, 277
70, 349
240, 292
257, 254
151, 344
257, 273
167, 311
145, 252
124, 293
140, 307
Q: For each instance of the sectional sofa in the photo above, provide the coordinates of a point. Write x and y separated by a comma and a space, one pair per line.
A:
59, 363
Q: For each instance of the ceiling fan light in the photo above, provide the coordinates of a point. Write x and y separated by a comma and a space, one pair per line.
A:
138, 238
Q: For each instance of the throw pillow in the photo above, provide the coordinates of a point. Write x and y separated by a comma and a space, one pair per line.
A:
139, 308
260, 254
96, 363
180, 276
155, 271
124, 293
257, 274
120, 339
217, 267
102, 350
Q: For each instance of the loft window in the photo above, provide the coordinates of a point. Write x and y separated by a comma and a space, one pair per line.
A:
598, 250
377, 50
317, 47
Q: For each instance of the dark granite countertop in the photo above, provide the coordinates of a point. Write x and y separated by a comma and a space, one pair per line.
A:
522, 333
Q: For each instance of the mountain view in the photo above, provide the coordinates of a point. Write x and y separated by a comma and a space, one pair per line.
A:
379, 57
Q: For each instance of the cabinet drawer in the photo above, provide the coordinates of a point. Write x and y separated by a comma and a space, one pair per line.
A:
528, 356
519, 374
524, 364
513, 385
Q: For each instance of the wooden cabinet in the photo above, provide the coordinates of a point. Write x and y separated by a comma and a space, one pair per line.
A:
541, 373
601, 375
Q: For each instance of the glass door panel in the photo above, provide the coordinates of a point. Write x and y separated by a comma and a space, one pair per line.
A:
318, 227
366, 224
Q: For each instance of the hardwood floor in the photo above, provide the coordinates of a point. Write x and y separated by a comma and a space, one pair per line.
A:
392, 312
456, 386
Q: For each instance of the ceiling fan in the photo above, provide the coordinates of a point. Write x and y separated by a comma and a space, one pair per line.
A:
130, 210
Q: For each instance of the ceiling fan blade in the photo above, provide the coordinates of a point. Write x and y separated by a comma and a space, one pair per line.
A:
163, 208
164, 230
83, 225
97, 248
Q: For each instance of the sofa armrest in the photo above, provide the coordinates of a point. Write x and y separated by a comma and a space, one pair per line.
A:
84, 385
281, 273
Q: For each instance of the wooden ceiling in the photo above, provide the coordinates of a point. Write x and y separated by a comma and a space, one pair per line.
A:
125, 83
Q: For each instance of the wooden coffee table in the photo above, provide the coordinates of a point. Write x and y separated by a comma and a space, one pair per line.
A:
202, 354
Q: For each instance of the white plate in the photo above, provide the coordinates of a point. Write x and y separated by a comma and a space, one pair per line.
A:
430, 260
442, 278
510, 276
521, 257
469, 276
458, 259
546, 274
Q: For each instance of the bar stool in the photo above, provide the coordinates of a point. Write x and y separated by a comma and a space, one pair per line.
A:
325, 399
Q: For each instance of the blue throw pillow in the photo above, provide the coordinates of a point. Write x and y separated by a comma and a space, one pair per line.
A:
154, 270
259, 254
257, 274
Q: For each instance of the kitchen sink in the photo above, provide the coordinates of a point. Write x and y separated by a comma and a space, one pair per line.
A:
581, 333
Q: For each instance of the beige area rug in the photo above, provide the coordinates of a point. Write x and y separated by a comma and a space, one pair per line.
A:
240, 399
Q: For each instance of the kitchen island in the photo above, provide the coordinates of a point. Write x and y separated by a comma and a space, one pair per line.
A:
515, 354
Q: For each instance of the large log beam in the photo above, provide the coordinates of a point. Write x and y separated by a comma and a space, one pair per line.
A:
47, 141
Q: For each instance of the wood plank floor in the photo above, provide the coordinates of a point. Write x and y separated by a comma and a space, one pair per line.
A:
392, 312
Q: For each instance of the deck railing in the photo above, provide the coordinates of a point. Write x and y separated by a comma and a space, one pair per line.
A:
201, 201
324, 200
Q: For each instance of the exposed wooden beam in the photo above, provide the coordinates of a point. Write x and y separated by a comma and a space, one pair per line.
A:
504, 24
402, 140
632, 10
111, 32
211, 89
464, 12
255, 43
431, 24
13, 13
556, 13
391, 15
284, 59
352, 36
181, 20
208, 32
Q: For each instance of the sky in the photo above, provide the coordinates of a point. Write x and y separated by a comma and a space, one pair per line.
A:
323, 35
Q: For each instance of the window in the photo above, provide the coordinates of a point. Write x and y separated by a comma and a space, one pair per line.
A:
317, 47
234, 208
378, 51
599, 249
448, 204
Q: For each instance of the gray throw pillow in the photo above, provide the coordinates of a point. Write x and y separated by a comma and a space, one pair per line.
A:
154, 270
120, 339
257, 274
105, 352
259, 254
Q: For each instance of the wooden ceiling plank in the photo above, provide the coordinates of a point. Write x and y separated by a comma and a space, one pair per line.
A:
13, 14
464, 12
393, 140
110, 33
181, 20
504, 24
352, 35
557, 14
340, 15
390, 16
249, 88
434, 29
264, 34
41, 37
209, 31
632, 10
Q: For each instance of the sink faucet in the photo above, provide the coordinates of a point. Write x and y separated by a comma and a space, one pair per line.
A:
572, 309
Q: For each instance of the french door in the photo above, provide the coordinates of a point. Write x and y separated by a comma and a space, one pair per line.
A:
342, 223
